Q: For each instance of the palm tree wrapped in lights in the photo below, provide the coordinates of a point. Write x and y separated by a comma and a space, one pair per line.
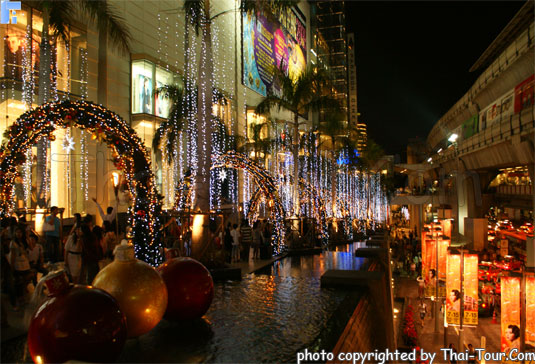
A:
57, 18
310, 91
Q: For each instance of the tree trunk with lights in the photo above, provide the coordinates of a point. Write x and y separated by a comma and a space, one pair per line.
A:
43, 97
333, 176
297, 204
204, 135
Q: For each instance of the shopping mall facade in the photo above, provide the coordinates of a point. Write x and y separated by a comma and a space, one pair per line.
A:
79, 164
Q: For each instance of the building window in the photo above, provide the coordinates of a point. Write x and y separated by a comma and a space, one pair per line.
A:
142, 87
146, 79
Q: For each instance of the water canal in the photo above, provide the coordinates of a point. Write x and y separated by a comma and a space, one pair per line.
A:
267, 317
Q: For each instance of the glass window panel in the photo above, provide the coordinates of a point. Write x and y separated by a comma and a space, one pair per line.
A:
163, 105
16, 49
78, 62
142, 87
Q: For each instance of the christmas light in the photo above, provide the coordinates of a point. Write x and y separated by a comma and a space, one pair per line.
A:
132, 158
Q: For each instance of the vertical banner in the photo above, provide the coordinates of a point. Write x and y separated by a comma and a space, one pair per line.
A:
510, 313
446, 227
453, 289
471, 282
429, 257
443, 245
530, 311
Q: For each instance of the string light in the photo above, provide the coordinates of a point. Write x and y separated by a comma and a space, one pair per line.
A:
132, 158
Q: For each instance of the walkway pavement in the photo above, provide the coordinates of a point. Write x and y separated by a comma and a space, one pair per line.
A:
432, 342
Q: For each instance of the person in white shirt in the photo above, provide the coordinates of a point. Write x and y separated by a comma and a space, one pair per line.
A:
110, 214
235, 256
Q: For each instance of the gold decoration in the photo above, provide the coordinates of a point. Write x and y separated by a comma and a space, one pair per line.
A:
137, 287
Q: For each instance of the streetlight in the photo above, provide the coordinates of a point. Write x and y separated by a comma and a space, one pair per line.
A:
115, 179
453, 138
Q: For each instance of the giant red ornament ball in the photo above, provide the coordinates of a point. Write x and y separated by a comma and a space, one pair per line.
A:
77, 323
190, 288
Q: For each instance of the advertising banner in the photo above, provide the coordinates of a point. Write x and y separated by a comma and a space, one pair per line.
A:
471, 126
272, 44
453, 288
524, 94
510, 313
530, 312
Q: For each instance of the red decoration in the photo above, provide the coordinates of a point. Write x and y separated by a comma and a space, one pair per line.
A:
141, 213
190, 288
76, 323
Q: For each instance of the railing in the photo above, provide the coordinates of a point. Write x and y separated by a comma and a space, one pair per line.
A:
521, 123
515, 190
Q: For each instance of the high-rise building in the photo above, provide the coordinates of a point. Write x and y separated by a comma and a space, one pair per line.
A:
331, 24
356, 126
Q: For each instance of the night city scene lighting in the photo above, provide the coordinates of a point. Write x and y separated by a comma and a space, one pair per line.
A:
267, 181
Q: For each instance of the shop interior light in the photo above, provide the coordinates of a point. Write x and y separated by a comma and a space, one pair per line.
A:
430, 159
453, 137
440, 150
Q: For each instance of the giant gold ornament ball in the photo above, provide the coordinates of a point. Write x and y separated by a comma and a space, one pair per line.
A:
140, 291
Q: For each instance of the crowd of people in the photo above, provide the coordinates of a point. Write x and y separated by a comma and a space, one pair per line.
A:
406, 252
27, 255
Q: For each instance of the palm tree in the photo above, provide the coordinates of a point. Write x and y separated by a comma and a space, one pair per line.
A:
310, 91
334, 127
57, 17
371, 154
198, 15
171, 128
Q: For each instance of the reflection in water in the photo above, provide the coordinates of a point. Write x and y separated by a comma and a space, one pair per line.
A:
267, 317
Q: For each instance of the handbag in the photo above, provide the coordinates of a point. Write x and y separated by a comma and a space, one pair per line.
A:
47, 227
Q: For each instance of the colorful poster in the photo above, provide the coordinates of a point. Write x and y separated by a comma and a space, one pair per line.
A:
510, 313
453, 289
272, 44
524, 94
142, 94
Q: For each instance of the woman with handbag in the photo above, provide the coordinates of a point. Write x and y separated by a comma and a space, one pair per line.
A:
73, 255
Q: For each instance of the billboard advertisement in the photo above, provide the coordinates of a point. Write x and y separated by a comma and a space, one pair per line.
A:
269, 44
453, 289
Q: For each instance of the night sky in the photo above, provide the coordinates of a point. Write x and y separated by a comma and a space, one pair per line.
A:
413, 60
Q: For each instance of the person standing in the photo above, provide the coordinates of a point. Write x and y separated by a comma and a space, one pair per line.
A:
91, 254
227, 244
246, 239
421, 287
423, 312
110, 214
73, 255
36, 257
257, 240
21, 264
235, 256
52, 235
471, 354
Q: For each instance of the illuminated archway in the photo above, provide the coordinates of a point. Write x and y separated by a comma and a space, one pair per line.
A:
132, 158
266, 185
